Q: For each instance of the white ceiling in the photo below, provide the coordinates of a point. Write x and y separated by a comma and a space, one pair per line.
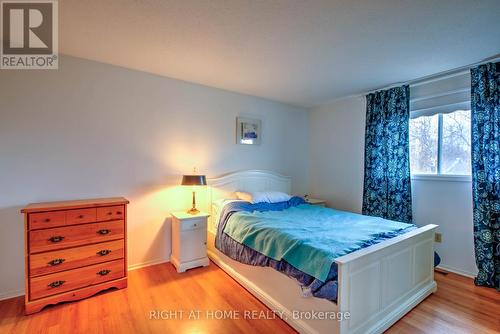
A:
303, 53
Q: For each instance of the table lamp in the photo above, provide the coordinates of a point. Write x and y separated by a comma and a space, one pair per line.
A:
194, 180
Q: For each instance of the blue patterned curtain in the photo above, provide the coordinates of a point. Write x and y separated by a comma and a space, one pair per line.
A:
387, 187
485, 104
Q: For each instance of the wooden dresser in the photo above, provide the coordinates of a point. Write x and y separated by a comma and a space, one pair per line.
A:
74, 249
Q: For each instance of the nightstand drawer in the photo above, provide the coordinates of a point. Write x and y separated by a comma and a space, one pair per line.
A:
193, 224
77, 278
316, 201
71, 258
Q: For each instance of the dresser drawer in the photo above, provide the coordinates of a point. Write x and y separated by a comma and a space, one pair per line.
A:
65, 259
47, 219
77, 235
48, 285
61, 218
81, 216
110, 213
193, 224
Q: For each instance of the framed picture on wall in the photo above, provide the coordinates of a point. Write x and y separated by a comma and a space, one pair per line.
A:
248, 131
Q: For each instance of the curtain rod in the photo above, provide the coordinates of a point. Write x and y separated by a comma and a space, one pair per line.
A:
439, 76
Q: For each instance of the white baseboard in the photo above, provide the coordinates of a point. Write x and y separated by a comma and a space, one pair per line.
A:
148, 263
456, 271
17, 293
11, 294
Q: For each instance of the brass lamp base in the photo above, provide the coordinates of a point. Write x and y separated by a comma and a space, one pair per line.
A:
193, 211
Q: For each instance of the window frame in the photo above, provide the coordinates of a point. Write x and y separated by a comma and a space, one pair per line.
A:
439, 169
439, 176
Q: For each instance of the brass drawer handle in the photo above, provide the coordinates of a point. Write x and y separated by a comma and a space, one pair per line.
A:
56, 262
57, 238
103, 272
56, 284
103, 252
103, 231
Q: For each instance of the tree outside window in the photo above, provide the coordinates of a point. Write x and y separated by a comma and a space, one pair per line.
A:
440, 144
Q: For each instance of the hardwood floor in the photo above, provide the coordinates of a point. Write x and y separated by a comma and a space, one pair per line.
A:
457, 307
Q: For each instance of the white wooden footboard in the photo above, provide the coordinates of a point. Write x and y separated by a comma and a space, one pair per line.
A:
376, 286
381, 283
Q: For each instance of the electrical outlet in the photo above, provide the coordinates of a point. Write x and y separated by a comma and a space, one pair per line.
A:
438, 237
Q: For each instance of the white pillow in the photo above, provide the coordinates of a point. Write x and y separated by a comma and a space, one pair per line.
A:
263, 196
244, 196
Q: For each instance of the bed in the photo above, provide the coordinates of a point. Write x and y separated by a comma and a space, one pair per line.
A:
375, 285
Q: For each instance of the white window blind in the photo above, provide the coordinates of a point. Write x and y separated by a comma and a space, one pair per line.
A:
441, 95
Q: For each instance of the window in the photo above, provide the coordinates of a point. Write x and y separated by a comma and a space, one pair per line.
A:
440, 143
424, 145
440, 126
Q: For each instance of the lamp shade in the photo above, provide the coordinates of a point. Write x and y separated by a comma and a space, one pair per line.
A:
194, 180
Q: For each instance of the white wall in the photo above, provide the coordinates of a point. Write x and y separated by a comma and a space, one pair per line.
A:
95, 130
449, 205
337, 134
336, 174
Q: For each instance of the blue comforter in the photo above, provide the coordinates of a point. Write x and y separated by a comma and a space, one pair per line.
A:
298, 239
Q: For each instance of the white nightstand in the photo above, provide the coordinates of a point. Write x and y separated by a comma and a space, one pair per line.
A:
316, 201
189, 240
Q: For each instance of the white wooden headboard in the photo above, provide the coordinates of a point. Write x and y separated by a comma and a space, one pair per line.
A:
249, 180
